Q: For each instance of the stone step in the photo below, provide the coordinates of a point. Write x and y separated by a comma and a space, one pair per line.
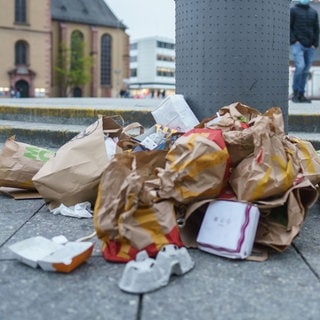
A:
46, 135
51, 135
85, 112
314, 138
67, 111
304, 123
52, 122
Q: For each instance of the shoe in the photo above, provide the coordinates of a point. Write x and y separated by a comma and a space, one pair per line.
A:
303, 99
295, 99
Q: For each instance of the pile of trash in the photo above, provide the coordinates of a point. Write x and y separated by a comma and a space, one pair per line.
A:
225, 185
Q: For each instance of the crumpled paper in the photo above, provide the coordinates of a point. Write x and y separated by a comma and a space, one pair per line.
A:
80, 210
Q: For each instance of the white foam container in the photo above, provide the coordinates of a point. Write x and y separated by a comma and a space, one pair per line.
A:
50, 255
228, 229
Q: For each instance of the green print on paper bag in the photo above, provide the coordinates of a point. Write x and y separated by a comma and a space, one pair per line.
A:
36, 153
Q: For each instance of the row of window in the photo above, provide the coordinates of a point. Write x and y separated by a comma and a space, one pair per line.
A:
160, 44
165, 72
160, 57
166, 45
161, 72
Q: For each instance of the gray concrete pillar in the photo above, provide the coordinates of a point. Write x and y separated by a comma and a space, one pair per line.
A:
228, 51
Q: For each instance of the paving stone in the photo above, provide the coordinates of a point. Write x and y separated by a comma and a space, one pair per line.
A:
89, 293
13, 215
308, 241
48, 225
281, 288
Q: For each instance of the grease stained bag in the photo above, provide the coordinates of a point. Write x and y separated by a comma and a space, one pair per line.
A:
197, 167
126, 218
282, 217
238, 124
234, 117
308, 158
270, 171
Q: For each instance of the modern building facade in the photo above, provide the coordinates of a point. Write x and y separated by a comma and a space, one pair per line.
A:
152, 67
33, 33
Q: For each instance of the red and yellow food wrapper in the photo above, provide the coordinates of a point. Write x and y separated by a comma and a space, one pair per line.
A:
125, 218
270, 171
197, 167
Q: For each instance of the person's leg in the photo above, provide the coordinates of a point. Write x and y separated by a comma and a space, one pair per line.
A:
308, 54
299, 63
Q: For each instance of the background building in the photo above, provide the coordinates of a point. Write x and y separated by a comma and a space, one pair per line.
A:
34, 33
152, 67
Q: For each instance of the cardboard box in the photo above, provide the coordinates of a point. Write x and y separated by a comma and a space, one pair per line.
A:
175, 113
228, 229
50, 255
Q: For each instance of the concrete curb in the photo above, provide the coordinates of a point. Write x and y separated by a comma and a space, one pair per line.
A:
52, 122
73, 115
304, 123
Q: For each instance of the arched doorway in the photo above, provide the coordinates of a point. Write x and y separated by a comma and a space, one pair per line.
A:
77, 92
22, 87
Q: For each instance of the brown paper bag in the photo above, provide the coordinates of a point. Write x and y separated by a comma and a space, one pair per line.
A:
197, 167
276, 123
73, 175
126, 219
308, 158
282, 218
240, 143
235, 116
19, 162
237, 122
272, 168
191, 217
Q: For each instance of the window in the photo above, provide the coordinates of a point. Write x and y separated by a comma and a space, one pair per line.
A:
76, 61
165, 72
105, 71
20, 13
133, 73
162, 57
21, 53
166, 45
133, 59
134, 46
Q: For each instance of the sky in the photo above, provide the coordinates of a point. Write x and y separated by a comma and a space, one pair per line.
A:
145, 18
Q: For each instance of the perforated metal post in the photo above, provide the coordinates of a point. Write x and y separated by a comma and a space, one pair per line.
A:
228, 51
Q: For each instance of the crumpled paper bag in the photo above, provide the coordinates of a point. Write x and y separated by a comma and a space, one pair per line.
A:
127, 217
197, 167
